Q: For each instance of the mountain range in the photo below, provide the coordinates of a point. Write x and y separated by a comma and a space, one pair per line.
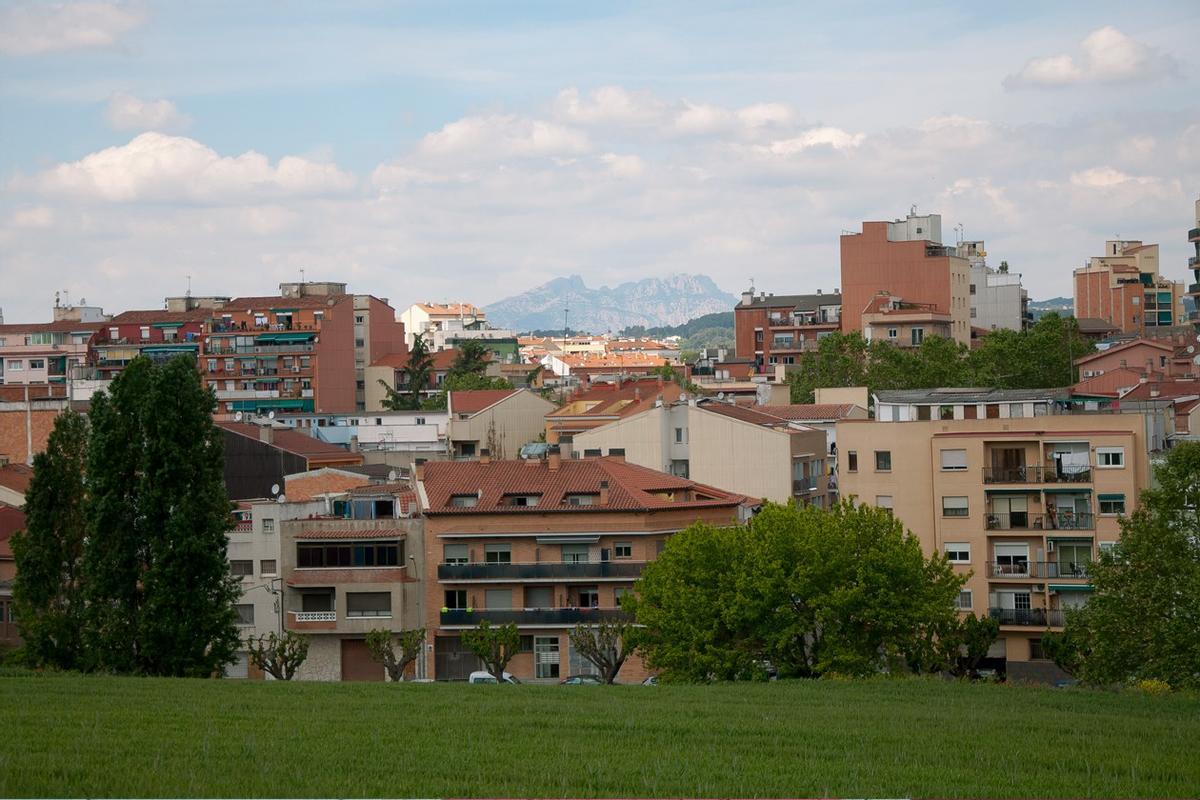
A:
650, 302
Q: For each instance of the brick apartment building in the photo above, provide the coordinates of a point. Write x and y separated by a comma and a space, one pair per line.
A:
1123, 288
770, 329
548, 544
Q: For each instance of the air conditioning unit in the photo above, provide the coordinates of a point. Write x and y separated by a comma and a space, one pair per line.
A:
295, 369
1050, 546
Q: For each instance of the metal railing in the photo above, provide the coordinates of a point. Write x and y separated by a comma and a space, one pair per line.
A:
803, 487
1034, 474
1025, 521
541, 570
1194, 235
1018, 616
531, 616
1038, 569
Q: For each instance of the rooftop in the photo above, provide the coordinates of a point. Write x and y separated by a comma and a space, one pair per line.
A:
62, 326
810, 412
474, 401
455, 309
800, 302
16, 477
953, 396
630, 487
150, 316
289, 441
279, 301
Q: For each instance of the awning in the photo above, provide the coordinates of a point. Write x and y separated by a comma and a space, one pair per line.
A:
171, 348
266, 379
1030, 490
584, 539
1077, 538
166, 324
284, 310
1072, 587
1073, 490
283, 337
1110, 497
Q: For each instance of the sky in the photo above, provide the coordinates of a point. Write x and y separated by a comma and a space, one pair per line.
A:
472, 150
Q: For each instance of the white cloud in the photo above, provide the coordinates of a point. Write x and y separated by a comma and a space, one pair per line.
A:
128, 113
33, 28
1104, 178
624, 166
504, 136
835, 138
1107, 56
33, 217
154, 166
608, 104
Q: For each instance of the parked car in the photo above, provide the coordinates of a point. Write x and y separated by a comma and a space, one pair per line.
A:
486, 677
581, 680
651, 681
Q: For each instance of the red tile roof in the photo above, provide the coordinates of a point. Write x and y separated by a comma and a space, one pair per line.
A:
1123, 347
148, 317
622, 399
744, 413
288, 440
349, 533
16, 477
630, 487
475, 400
11, 520
64, 326
1165, 390
810, 412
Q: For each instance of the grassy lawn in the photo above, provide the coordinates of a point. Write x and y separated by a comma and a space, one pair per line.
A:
72, 736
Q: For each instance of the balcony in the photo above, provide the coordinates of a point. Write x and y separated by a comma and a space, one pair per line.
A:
1037, 569
1019, 616
803, 487
1193, 288
1194, 235
532, 616
1024, 521
1194, 262
1032, 474
311, 620
541, 571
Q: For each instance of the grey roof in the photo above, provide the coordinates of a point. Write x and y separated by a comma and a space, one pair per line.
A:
1094, 325
804, 302
952, 396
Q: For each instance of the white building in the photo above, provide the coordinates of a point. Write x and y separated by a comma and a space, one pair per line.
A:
998, 301
429, 318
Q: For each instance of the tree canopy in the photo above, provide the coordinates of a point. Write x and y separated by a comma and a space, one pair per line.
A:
808, 591
1142, 620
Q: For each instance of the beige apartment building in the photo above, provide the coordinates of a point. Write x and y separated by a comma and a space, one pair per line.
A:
738, 448
501, 420
1023, 504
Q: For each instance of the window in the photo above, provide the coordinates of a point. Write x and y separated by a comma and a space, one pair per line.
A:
958, 552
464, 500
620, 592
1112, 504
679, 435
498, 599
623, 550
359, 319
581, 499
851, 461
268, 525
212, 365
1110, 457
1106, 547
575, 553
113, 333
883, 460
420, 421
589, 597
545, 656
1036, 653
893, 333
884, 501
454, 554
37, 363
520, 500
229, 365
1016, 410
242, 568
972, 288
349, 554
267, 566
456, 598
918, 336
245, 614
497, 553
954, 460
144, 332
368, 604
955, 507
16, 365
963, 601
539, 597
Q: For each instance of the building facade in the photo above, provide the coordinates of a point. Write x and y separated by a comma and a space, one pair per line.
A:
1193, 264
500, 420
1123, 287
770, 329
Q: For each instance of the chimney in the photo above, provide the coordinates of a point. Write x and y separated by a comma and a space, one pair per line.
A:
266, 433
485, 456
748, 297
617, 454
637, 393
603, 493
419, 469
353, 444
553, 458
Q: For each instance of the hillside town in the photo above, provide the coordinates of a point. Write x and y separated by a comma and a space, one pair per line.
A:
415, 468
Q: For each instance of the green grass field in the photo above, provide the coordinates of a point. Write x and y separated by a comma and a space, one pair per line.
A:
73, 736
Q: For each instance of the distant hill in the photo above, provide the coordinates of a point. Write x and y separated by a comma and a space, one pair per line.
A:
1064, 306
651, 303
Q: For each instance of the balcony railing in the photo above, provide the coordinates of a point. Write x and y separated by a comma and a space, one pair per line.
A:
532, 616
1037, 569
1193, 262
1193, 288
1032, 474
543, 570
1024, 521
803, 487
1018, 616
314, 616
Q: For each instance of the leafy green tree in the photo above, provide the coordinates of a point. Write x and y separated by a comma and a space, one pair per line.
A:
494, 645
159, 589
472, 359
1141, 621
606, 644
1039, 358
395, 651
839, 360
462, 383
47, 591
279, 656
416, 372
813, 592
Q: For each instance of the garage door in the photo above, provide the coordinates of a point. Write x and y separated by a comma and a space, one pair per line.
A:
357, 664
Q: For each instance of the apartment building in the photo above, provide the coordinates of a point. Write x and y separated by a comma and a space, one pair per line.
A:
998, 300
1193, 264
547, 544
305, 349
258, 455
501, 420
436, 321
1124, 289
390, 370
906, 259
156, 334
587, 368
770, 329
605, 403
1022, 502
739, 448
45, 352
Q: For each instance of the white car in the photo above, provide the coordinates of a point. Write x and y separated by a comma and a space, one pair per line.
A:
486, 677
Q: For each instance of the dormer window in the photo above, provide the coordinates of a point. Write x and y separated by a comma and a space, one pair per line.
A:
464, 500
521, 499
581, 499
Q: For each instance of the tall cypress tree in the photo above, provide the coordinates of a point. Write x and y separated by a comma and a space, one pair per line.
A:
161, 595
49, 552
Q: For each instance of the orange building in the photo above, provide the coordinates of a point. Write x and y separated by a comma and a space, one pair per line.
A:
1123, 288
546, 544
906, 259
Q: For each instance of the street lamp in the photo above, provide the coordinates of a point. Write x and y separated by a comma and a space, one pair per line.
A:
420, 618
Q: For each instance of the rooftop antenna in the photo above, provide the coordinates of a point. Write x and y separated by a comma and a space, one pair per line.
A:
189, 288
302, 274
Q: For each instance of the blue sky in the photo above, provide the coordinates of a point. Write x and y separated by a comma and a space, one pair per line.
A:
472, 150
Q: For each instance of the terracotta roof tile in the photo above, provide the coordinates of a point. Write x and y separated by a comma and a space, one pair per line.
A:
64, 326
16, 477
148, 317
288, 440
274, 301
475, 400
11, 520
810, 412
630, 487
350, 533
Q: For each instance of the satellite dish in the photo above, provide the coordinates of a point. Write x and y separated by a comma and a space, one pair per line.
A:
1196, 360
281, 499
274, 489
1191, 348
392, 476
238, 416
720, 395
270, 415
